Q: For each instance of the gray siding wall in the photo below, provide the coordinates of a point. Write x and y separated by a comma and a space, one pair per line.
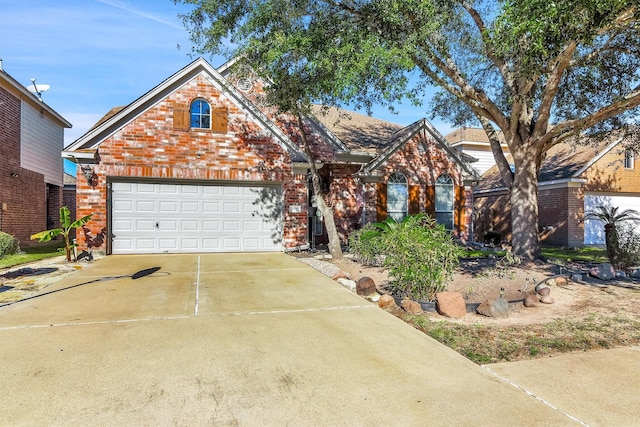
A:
42, 141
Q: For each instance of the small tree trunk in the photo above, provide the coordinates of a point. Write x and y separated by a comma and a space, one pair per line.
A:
611, 241
334, 239
524, 211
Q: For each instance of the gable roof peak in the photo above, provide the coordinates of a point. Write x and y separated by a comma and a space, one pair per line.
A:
101, 131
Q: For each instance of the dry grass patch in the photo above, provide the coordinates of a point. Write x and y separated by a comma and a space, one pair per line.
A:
485, 344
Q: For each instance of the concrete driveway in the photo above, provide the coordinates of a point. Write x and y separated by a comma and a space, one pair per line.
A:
234, 339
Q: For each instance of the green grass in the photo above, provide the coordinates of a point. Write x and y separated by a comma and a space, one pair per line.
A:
33, 253
587, 254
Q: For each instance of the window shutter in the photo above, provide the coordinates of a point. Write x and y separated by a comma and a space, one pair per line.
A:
414, 199
219, 119
381, 201
181, 117
430, 201
459, 214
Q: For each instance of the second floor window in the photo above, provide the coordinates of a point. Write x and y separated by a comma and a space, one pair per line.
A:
628, 159
200, 114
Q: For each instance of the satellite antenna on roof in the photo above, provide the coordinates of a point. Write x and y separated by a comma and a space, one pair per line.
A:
38, 89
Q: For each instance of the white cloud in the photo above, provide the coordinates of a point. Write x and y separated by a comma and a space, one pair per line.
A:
127, 7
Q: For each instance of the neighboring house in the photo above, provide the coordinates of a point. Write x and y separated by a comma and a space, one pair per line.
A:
31, 138
572, 180
474, 142
195, 166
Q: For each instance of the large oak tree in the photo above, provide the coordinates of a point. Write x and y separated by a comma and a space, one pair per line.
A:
533, 73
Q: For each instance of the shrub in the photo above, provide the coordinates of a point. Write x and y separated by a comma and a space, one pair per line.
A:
419, 253
367, 245
628, 246
8, 244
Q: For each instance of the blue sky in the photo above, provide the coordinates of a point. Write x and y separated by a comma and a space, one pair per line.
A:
99, 54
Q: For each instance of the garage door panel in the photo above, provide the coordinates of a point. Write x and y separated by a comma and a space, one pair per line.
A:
231, 208
142, 226
211, 207
157, 218
231, 244
187, 226
231, 226
145, 206
189, 207
168, 207
211, 244
143, 188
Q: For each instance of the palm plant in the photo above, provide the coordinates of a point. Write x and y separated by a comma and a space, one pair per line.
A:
612, 217
66, 226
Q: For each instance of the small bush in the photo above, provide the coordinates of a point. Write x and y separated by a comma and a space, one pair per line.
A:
419, 253
367, 245
628, 246
8, 244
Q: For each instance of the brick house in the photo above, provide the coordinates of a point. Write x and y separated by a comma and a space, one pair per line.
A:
194, 165
572, 180
31, 169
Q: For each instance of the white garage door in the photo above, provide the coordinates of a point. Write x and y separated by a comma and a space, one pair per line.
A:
172, 218
594, 229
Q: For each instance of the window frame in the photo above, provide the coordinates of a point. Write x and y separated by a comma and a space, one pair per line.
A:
200, 115
445, 180
398, 180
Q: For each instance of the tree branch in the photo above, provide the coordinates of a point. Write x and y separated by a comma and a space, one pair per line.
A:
551, 89
498, 154
571, 127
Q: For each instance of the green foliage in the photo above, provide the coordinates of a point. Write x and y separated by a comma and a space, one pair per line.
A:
419, 253
628, 246
367, 245
8, 244
66, 225
32, 253
613, 218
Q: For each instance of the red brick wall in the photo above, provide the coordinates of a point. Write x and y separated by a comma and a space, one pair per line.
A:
23, 196
559, 216
422, 170
149, 147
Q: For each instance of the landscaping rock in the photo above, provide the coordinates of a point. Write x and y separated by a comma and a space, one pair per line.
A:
387, 302
576, 277
531, 301
604, 271
411, 307
340, 274
451, 304
544, 291
374, 297
547, 299
496, 308
366, 286
347, 283
561, 281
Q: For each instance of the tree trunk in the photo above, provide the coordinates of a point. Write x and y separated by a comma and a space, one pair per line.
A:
327, 213
612, 245
524, 210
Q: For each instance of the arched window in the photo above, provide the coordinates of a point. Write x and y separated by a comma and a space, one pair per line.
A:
444, 201
200, 114
397, 197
